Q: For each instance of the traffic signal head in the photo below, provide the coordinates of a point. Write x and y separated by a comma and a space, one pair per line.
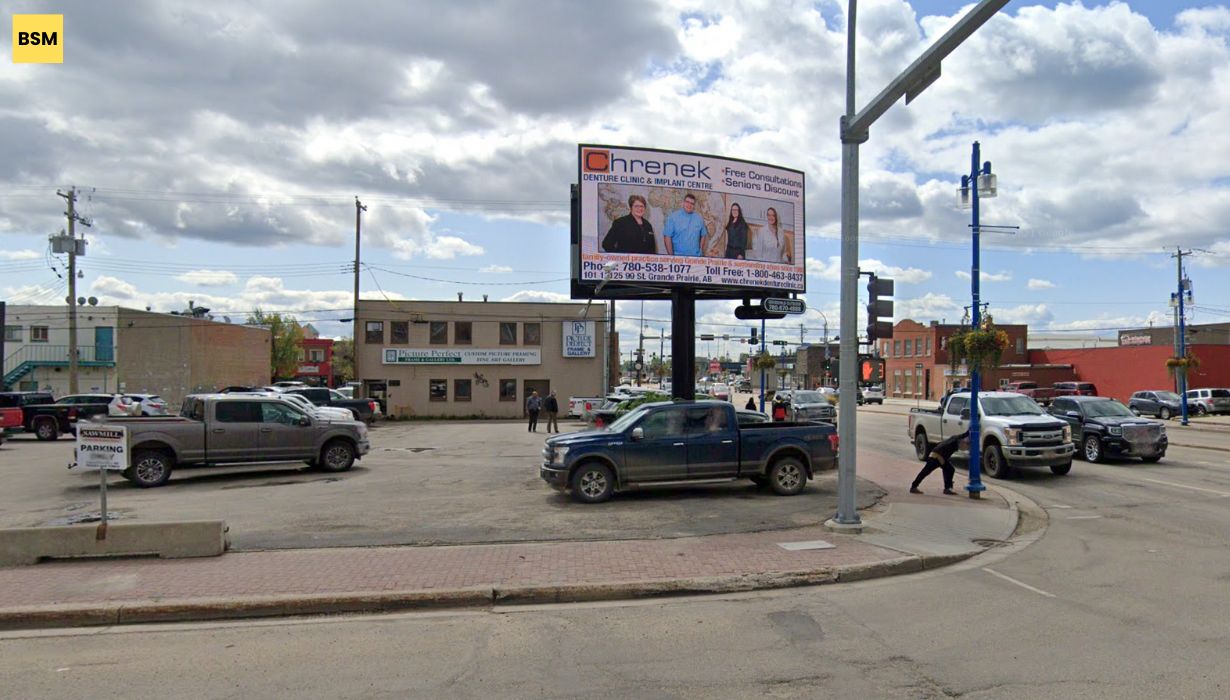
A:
879, 311
753, 340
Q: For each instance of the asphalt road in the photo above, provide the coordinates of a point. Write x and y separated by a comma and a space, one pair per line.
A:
423, 483
1123, 596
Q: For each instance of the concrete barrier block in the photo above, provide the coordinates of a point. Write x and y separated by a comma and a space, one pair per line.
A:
23, 546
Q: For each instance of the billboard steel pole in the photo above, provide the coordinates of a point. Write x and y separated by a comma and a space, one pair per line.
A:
854, 131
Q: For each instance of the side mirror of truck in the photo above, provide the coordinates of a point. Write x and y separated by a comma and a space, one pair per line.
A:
965, 414
305, 421
1073, 414
638, 434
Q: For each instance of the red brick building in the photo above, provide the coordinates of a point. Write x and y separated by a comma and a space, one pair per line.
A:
916, 360
315, 358
1119, 372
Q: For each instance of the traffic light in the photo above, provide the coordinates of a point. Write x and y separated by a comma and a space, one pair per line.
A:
870, 369
753, 340
879, 311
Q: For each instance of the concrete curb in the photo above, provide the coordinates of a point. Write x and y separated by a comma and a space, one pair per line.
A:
154, 611
25, 546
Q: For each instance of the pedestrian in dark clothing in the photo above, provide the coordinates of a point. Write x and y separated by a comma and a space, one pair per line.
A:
551, 406
532, 406
940, 457
751, 404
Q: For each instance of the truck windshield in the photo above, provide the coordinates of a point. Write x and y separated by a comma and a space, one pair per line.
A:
1010, 406
628, 419
802, 397
1103, 409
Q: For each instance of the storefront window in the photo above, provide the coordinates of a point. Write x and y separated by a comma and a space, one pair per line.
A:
508, 389
461, 389
375, 332
532, 333
508, 333
437, 390
400, 330
439, 332
462, 332
38, 334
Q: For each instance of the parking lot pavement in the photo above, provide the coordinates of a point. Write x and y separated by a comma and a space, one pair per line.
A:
423, 483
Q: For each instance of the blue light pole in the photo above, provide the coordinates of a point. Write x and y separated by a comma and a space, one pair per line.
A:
762, 351
969, 188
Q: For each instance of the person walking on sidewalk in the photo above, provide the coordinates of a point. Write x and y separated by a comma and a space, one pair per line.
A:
940, 457
532, 406
751, 404
551, 406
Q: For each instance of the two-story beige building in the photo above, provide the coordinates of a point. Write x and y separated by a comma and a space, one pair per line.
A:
478, 358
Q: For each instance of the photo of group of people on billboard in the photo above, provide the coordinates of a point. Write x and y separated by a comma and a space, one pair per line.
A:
752, 229
673, 218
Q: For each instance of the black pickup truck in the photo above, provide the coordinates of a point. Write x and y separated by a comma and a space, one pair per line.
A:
41, 415
363, 409
687, 442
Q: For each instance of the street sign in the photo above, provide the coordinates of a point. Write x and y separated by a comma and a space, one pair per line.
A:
784, 306
746, 312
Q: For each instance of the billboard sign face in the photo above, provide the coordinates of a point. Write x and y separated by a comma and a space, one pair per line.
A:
668, 218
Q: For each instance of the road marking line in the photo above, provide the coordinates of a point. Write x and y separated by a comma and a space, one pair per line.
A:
1083, 517
1184, 486
1026, 586
1059, 506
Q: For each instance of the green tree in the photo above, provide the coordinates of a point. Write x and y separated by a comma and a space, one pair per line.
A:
343, 360
287, 341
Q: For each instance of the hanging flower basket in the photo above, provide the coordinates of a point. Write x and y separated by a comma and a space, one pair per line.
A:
1187, 364
980, 349
764, 361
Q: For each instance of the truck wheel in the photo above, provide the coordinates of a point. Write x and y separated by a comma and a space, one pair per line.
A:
1061, 469
149, 468
787, 476
46, 429
337, 456
592, 483
1093, 449
920, 445
993, 463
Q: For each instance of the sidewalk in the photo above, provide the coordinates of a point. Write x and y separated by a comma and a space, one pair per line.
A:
904, 533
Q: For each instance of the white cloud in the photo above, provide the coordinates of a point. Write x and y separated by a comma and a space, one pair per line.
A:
1028, 314
1041, 284
929, 307
496, 269
985, 276
19, 255
113, 288
535, 295
831, 270
210, 278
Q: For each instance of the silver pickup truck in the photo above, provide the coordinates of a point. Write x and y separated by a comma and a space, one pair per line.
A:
215, 429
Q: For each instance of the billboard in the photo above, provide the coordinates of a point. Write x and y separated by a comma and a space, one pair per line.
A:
670, 218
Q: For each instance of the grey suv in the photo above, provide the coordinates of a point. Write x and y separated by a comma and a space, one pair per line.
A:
1162, 404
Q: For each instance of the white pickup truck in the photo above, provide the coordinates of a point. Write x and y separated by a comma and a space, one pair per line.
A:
1014, 432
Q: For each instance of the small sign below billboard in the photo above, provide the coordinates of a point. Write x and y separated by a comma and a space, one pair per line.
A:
578, 338
784, 306
102, 447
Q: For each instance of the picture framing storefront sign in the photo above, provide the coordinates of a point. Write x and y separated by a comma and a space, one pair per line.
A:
468, 356
578, 339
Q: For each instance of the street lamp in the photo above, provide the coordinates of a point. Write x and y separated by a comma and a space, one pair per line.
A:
980, 182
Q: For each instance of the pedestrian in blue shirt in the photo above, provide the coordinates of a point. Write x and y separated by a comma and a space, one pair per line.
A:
685, 230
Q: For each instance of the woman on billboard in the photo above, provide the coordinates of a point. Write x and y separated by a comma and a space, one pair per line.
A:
736, 234
632, 233
769, 243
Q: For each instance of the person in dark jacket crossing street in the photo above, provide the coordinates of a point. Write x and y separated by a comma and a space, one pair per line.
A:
551, 406
940, 457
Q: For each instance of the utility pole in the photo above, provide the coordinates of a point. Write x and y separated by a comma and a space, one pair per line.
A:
1181, 331
359, 208
73, 248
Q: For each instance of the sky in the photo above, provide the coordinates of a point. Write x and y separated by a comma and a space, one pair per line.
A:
218, 149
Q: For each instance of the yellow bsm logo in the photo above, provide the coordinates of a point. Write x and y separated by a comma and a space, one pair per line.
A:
38, 38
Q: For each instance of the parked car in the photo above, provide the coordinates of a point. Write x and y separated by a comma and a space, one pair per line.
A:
10, 419
328, 413
1043, 395
580, 406
1206, 401
90, 405
719, 391
873, 394
804, 405
41, 415
150, 404
1160, 404
677, 441
1015, 432
1074, 389
363, 409
215, 429
1103, 427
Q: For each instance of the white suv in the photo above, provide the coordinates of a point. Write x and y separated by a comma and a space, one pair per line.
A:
1204, 401
873, 394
